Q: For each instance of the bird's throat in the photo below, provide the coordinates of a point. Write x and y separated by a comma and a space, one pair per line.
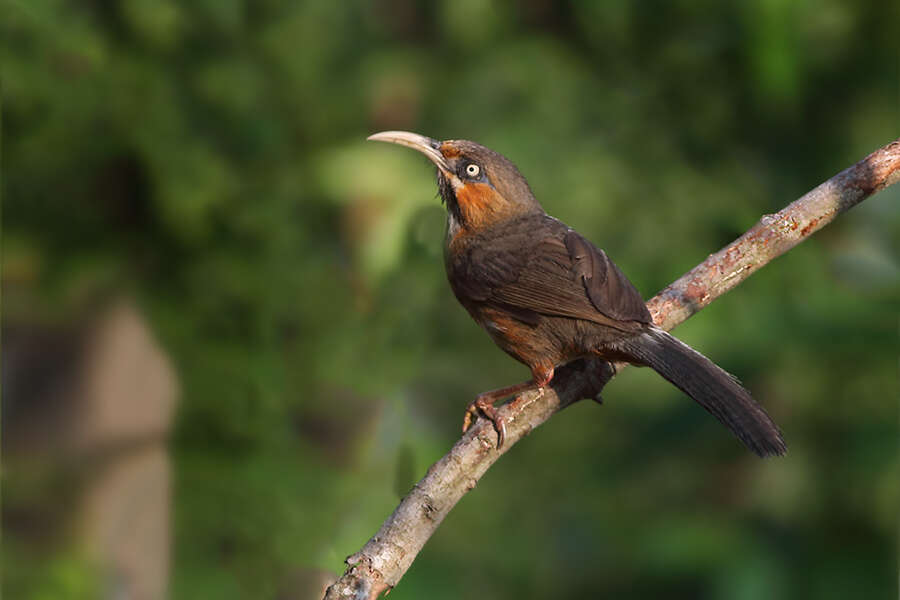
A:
473, 206
480, 204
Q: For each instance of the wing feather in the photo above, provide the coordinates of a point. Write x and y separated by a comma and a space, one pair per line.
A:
561, 274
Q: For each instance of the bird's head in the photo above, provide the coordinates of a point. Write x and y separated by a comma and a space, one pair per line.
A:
479, 186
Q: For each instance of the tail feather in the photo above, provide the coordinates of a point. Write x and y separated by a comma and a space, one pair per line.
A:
713, 388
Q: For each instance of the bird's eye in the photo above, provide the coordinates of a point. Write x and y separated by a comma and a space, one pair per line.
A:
472, 170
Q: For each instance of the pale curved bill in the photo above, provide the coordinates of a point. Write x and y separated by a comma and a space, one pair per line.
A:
425, 145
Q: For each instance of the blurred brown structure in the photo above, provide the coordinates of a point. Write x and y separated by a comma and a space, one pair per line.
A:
87, 411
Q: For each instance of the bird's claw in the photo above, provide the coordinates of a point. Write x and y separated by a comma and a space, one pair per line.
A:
484, 406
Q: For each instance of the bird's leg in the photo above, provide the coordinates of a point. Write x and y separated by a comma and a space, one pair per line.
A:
484, 403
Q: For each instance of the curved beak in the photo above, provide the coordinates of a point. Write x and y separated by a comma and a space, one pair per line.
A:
427, 146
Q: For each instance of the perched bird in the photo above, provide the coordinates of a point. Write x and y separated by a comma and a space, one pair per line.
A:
547, 296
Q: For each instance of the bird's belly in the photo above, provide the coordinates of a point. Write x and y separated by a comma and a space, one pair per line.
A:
531, 344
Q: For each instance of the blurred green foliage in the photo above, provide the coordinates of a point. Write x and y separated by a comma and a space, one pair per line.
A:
209, 158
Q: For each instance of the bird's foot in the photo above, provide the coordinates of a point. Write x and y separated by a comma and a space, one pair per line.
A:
484, 404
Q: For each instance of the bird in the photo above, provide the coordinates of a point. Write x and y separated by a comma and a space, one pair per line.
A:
547, 296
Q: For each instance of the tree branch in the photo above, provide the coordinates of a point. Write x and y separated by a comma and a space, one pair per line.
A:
384, 559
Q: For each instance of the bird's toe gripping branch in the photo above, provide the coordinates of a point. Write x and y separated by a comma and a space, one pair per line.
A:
484, 403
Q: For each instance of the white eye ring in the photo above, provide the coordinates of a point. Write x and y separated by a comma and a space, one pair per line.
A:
472, 170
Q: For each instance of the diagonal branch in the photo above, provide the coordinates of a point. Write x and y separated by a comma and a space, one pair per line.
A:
384, 559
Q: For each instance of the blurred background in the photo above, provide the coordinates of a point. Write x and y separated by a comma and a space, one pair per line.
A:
229, 347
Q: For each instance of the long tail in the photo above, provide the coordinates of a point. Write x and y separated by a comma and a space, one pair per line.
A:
713, 388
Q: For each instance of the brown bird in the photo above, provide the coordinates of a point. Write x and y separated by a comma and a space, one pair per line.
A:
547, 296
